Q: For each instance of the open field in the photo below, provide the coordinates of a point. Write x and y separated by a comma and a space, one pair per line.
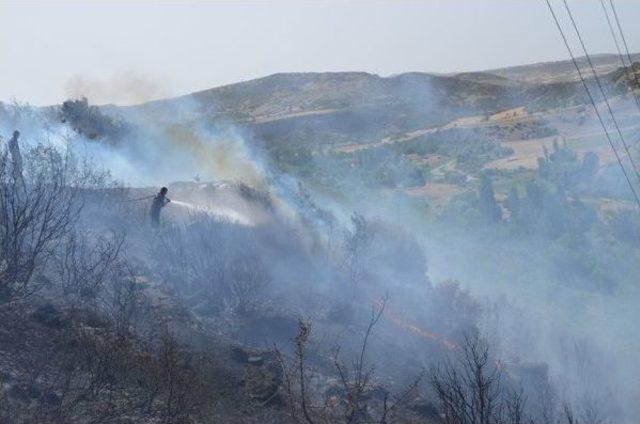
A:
527, 152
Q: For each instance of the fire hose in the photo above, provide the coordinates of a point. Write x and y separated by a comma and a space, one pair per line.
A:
137, 200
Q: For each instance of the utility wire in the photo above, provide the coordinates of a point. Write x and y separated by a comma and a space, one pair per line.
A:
593, 103
613, 33
604, 94
624, 41
620, 55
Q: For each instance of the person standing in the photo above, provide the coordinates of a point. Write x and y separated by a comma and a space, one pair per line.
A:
16, 158
159, 201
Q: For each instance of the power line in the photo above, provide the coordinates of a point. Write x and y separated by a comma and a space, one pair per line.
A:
593, 103
624, 41
604, 95
613, 34
620, 55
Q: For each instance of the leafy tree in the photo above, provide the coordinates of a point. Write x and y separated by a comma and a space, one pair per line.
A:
489, 208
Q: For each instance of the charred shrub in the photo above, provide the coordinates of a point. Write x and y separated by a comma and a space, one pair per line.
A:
89, 121
212, 261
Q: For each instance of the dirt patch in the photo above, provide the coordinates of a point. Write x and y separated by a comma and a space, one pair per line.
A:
437, 194
526, 152
508, 115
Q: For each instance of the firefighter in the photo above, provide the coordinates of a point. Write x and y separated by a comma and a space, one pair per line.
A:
16, 158
160, 200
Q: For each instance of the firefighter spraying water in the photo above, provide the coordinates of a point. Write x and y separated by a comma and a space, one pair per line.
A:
159, 201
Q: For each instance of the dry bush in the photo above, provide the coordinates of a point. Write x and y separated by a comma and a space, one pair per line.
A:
589, 412
358, 399
357, 243
179, 381
471, 389
247, 277
73, 372
37, 208
83, 266
123, 302
87, 349
377, 252
42, 195
212, 260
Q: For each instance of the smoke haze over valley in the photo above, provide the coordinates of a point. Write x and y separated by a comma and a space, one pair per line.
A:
339, 247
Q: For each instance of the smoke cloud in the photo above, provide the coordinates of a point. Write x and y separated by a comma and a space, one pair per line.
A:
124, 88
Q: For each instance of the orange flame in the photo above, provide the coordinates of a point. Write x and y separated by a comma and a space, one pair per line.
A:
415, 329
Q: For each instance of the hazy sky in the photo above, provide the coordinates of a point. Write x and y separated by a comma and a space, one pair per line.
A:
127, 52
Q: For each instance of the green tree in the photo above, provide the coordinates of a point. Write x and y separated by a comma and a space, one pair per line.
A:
489, 208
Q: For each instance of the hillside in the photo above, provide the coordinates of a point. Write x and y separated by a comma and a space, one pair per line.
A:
337, 238
288, 94
562, 71
283, 96
353, 107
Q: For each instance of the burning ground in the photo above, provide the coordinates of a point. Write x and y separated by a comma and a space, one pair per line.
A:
338, 248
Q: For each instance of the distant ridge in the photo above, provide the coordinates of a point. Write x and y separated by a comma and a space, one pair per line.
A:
540, 73
559, 71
